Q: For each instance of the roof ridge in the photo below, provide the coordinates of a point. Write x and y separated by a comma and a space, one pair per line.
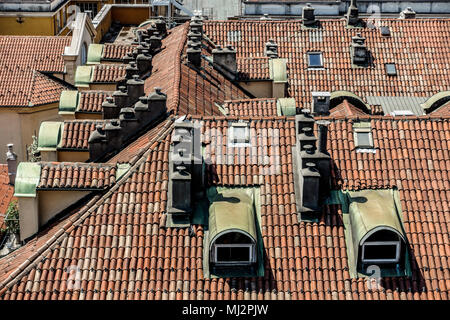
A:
177, 73
79, 217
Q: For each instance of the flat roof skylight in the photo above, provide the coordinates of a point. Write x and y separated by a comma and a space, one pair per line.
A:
391, 69
315, 60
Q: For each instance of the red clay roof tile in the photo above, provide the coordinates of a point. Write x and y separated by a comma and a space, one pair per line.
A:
25, 60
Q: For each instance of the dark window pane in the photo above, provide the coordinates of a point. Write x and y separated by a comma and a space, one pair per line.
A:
315, 59
233, 254
376, 252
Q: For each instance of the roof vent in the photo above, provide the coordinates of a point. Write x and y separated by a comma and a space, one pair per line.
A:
408, 13
11, 159
352, 15
271, 49
308, 16
360, 54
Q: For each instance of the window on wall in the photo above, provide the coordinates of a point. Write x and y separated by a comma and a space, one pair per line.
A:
57, 23
84, 53
88, 7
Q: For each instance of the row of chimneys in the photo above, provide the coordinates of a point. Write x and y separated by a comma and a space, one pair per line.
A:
313, 161
352, 16
128, 108
130, 111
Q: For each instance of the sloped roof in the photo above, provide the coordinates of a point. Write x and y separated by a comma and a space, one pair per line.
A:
418, 47
108, 73
251, 107
305, 260
25, 61
114, 51
75, 134
91, 100
124, 251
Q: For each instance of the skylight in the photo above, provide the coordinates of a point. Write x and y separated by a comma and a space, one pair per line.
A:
239, 135
363, 135
391, 69
385, 31
315, 60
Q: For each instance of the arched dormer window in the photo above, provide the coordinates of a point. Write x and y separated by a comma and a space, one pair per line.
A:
232, 230
382, 245
233, 247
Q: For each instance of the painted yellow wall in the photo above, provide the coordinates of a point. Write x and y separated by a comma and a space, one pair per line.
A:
32, 26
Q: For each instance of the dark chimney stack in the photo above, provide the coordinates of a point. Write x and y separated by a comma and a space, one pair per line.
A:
131, 70
110, 109
224, 59
161, 27
97, 143
128, 122
135, 89
113, 135
155, 43
144, 63
359, 52
308, 16
121, 99
352, 15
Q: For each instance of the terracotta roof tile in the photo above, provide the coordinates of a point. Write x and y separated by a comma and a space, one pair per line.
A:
25, 60
113, 51
346, 109
251, 107
253, 68
108, 73
305, 260
76, 133
73, 175
91, 101
416, 46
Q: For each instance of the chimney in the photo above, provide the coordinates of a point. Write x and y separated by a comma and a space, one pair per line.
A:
11, 160
271, 49
135, 89
185, 168
128, 122
144, 63
196, 26
127, 58
308, 16
113, 135
131, 70
151, 31
310, 187
359, 52
352, 15
155, 43
321, 103
408, 13
194, 53
140, 48
121, 99
97, 143
314, 165
110, 109
161, 27
195, 36
225, 60
157, 101
323, 135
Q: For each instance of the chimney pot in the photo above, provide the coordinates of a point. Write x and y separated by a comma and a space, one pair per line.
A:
308, 16
11, 160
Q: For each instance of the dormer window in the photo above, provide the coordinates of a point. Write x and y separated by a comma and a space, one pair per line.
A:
375, 235
382, 246
232, 230
315, 60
